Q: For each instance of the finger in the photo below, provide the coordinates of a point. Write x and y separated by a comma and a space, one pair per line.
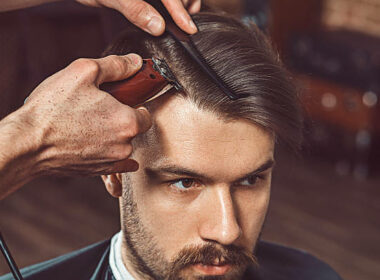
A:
127, 165
143, 15
180, 15
143, 119
115, 68
194, 7
185, 3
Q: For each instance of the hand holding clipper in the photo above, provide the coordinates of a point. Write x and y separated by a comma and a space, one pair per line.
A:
153, 79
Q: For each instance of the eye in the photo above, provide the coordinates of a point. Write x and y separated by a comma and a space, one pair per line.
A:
184, 184
249, 181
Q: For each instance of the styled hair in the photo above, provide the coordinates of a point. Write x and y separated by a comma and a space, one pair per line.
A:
243, 58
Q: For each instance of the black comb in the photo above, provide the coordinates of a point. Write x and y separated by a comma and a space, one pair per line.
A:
185, 41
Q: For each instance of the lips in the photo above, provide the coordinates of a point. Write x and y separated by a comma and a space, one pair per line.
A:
212, 269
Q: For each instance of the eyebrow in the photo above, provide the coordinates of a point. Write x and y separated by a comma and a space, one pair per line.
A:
182, 171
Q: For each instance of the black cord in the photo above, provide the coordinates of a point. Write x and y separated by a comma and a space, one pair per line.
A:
8, 257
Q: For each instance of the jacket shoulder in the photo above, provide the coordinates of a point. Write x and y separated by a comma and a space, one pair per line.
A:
79, 264
278, 262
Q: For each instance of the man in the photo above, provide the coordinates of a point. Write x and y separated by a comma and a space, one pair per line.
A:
195, 207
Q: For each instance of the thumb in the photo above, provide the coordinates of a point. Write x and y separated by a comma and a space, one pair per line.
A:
115, 68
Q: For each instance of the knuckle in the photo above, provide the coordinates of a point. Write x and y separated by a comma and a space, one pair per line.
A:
132, 128
124, 152
119, 64
120, 152
87, 66
127, 124
127, 151
129, 120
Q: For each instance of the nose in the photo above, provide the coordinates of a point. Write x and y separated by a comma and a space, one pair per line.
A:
219, 222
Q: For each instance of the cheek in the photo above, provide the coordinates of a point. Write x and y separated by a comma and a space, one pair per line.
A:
168, 217
252, 206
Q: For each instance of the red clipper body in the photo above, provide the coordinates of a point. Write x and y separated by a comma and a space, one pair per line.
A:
153, 77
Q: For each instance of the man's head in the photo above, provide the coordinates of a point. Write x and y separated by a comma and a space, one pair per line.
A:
196, 206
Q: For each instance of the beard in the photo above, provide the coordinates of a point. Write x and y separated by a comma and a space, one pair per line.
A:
149, 262
231, 255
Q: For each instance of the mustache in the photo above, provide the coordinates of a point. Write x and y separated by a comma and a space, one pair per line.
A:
212, 254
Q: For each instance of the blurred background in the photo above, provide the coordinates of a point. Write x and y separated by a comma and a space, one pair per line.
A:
325, 201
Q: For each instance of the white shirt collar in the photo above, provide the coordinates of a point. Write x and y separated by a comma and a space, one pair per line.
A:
119, 270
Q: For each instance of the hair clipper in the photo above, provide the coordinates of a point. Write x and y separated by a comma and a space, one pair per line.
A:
152, 80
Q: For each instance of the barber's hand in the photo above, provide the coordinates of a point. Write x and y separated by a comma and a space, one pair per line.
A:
147, 18
81, 129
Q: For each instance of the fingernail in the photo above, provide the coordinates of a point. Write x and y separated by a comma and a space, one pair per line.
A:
155, 25
193, 26
135, 58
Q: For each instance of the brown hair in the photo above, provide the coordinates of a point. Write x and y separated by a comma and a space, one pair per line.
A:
242, 57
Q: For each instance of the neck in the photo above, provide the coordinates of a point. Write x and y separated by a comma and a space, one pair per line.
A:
131, 262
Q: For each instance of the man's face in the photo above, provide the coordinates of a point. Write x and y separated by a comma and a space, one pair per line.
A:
200, 196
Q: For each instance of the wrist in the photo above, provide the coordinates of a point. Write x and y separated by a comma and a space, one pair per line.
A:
20, 149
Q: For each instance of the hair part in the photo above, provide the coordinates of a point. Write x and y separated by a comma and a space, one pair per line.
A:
243, 58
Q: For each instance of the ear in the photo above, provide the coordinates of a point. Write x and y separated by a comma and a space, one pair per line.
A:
113, 184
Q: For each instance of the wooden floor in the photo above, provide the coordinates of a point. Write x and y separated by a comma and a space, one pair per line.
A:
334, 218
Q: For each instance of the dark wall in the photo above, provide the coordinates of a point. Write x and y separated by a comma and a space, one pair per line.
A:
37, 42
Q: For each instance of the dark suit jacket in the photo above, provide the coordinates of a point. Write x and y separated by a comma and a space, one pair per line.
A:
91, 263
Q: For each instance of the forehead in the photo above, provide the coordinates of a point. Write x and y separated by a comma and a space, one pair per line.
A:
189, 137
